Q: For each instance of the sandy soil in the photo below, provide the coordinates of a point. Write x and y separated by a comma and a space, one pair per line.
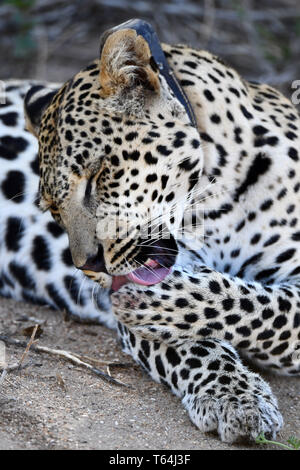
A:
53, 404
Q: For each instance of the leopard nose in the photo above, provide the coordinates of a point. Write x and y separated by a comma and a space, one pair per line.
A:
95, 263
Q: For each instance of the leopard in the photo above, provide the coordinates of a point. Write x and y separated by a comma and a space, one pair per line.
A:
183, 238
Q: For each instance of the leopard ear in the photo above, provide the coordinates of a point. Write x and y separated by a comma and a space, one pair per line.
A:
36, 101
126, 64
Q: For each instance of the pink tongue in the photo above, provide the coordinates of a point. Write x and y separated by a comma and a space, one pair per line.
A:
145, 276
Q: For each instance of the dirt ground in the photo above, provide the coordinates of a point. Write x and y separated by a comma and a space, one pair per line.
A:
53, 404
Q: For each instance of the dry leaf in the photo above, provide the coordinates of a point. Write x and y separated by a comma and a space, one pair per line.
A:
29, 330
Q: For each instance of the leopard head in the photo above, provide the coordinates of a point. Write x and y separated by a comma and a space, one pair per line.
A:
119, 160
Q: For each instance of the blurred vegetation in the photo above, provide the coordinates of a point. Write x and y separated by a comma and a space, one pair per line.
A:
23, 40
53, 39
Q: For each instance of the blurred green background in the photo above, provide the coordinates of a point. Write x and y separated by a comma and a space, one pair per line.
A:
53, 39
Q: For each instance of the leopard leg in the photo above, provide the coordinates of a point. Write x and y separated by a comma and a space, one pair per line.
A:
260, 321
218, 391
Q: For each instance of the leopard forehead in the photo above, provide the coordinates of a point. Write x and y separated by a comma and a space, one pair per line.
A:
80, 138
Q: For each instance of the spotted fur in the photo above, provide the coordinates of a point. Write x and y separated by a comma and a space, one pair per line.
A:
236, 287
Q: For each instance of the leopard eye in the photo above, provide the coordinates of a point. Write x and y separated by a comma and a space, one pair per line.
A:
88, 188
54, 209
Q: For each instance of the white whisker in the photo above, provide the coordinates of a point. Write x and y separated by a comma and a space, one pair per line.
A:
80, 288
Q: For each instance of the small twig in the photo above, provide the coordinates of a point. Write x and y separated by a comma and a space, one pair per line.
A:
18, 366
15, 366
3, 375
65, 355
61, 381
122, 365
101, 362
30, 343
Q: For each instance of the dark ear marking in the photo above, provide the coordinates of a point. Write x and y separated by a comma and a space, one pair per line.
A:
153, 64
36, 101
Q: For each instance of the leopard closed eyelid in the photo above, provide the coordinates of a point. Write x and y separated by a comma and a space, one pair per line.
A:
54, 209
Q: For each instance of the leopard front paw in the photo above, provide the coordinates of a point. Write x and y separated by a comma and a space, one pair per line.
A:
233, 417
